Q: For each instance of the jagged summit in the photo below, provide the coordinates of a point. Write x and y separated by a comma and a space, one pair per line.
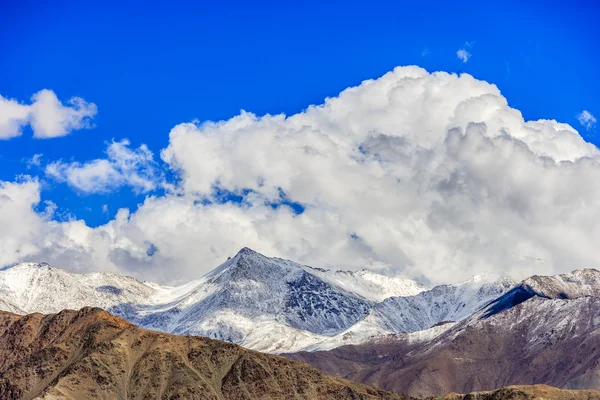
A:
581, 282
31, 265
573, 285
248, 251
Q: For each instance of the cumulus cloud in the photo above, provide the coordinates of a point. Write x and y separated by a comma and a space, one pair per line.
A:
46, 114
122, 167
21, 223
586, 119
430, 175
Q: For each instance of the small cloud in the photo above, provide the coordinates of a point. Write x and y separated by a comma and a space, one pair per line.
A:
425, 52
47, 116
587, 119
463, 54
50, 210
105, 209
122, 167
34, 161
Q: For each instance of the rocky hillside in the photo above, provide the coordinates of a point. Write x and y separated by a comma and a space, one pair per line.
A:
539, 392
91, 354
544, 331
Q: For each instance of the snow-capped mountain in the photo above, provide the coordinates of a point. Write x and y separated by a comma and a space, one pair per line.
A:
442, 303
263, 303
250, 296
579, 283
34, 287
546, 330
370, 285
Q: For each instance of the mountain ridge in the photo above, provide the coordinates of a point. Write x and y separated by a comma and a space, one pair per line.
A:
90, 354
275, 305
267, 304
514, 339
544, 329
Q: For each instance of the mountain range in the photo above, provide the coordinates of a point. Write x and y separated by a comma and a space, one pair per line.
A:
546, 330
91, 354
392, 333
262, 303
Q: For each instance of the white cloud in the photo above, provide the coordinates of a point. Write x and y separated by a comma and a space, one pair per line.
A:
13, 116
433, 176
463, 53
587, 119
34, 161
122, 167
47, 116
21, 223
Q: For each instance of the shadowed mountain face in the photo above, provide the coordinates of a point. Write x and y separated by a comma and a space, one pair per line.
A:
544, 331
91, 354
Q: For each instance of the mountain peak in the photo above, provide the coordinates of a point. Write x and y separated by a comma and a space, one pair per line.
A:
32, 265
248, 251
485, 278
579, 283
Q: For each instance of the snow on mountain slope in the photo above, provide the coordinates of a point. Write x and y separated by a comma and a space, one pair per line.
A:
579, 283
370, 285
368, 331
554, 341
250, 292
442, 303
251, 299
263, 303
574, 285
33, 287
6, 306
421, 313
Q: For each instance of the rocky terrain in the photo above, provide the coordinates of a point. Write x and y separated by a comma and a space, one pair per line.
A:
391, 333
91, 354
541, 392
544, 331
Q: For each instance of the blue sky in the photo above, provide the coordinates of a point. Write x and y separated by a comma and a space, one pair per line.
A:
148, 68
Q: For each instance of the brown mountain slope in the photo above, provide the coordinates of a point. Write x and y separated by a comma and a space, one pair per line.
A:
539, 341
540, 392
91, 354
